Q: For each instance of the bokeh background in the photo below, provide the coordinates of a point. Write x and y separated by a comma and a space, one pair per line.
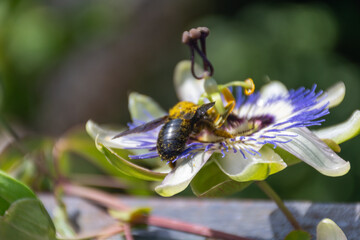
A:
63, 62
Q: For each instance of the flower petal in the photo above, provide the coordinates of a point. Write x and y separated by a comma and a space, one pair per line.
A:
253, 167
334, 95
128, 167
105, 135
179, 178
343, 131
144, 108
187, 87
310, 149
273, 88
327, 229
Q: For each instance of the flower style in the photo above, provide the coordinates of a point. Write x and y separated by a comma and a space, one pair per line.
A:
269, 132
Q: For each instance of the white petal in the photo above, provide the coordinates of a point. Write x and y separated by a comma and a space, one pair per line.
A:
342, 132
180, 177
253, 168
310, 149
105, 135
144, 108
274, 88
329, 230
334, 95
187, 87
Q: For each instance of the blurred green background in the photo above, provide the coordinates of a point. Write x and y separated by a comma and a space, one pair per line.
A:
64, 62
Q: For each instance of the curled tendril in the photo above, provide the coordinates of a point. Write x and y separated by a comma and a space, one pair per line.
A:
251, 89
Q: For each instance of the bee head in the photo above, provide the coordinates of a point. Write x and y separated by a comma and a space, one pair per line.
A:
202, 110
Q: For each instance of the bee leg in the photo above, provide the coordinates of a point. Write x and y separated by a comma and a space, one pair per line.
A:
220, 119
212, 127
171, 164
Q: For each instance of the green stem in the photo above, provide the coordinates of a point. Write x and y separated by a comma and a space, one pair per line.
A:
13, 134
10, 130
265, 187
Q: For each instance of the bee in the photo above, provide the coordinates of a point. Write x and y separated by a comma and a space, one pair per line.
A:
184, 119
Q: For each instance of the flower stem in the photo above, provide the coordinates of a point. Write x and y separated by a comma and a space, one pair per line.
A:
110, 201
9, 128
13, 134
265, 187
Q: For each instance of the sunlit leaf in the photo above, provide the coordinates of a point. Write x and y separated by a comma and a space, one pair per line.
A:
210, 181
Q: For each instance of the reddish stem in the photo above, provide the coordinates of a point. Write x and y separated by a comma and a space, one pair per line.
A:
127, 232
96, 196
110, 231
187, 227
101, 235
113, 202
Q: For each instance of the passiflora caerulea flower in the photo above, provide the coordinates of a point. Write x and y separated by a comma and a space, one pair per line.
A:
269, 132
248, 137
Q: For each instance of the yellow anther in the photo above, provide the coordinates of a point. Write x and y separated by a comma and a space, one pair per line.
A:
251, 89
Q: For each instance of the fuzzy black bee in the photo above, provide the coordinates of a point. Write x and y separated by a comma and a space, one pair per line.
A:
184, 119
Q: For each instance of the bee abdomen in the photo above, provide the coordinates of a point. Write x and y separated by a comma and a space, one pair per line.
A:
172, 138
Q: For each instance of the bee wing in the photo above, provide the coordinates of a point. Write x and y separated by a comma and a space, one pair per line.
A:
144, 128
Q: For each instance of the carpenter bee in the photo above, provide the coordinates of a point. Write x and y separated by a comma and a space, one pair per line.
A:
184, 119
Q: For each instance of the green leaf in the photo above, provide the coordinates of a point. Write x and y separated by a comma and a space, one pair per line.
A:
131, 215
128, 167
12, 190
298, 235
327, 229
27, 219
210, 181
144, 108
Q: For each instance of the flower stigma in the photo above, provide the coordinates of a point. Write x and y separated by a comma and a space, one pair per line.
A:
213, 91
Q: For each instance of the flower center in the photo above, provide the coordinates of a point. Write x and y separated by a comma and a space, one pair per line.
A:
236, 127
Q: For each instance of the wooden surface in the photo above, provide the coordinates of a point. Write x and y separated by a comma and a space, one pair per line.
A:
259, 220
